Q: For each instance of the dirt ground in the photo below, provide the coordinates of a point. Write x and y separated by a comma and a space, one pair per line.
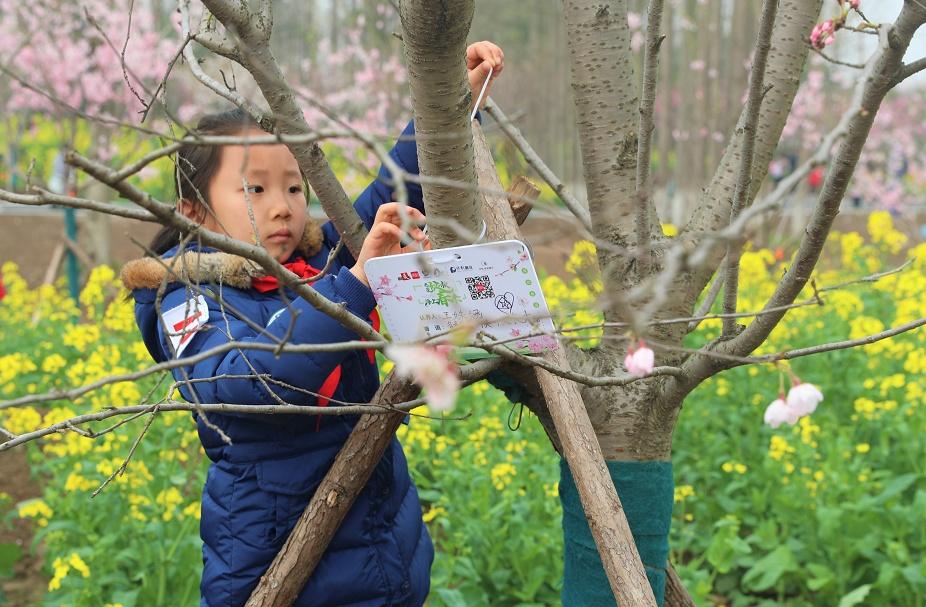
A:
28, 583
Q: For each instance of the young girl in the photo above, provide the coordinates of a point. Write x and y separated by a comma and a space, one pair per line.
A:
265, 468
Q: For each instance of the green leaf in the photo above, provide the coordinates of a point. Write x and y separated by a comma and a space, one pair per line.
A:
769, 569
855, 597
9, 555
821, 576
894, 488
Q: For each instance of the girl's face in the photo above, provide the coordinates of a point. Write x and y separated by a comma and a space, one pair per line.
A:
267, 178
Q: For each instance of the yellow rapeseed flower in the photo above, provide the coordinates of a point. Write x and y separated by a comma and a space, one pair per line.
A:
168, 499
36, 509
21, 419
78, 564
682, 492
863, 447
80, 337
502, 475
61, 570
53, 363
432, 513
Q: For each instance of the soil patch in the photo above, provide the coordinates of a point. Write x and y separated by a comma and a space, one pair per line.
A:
28, 583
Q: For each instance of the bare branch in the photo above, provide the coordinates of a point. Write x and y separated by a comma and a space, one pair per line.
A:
749, 133
909, 69
260, 116
833, 60
469, 374
645, 131
534, 160
799, 352
43, 197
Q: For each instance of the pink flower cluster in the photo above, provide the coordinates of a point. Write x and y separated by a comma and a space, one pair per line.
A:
431, 368
823, 34
802, 400
639, 360
61, 52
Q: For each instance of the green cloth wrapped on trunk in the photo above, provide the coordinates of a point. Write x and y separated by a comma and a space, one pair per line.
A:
646, 490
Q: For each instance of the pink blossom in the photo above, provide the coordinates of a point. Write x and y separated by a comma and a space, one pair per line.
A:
778, 412
823, 34
804, 398
431, 368
639, 360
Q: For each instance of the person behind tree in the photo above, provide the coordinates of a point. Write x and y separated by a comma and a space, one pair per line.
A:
261, 479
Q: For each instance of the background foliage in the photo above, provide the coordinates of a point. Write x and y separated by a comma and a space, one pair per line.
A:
825, 512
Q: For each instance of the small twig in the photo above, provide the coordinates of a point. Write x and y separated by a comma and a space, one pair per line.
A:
125, 462
855, 66
538, 164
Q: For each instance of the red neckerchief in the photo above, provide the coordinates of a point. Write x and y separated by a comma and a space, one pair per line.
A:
300, 268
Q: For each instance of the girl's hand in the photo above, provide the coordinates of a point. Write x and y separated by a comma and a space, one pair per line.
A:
386, 236
480, 56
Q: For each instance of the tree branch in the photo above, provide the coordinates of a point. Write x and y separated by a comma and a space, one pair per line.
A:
168, 216
876, 83
254, 54
786, 61
534, 160
909, 69
469, 374
743, 180
645, 132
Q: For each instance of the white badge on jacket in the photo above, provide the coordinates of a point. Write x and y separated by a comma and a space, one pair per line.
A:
183, 321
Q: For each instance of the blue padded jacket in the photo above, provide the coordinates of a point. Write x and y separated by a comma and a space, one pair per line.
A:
258, 485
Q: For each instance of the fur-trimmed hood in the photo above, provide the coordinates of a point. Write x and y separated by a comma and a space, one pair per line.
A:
215, 267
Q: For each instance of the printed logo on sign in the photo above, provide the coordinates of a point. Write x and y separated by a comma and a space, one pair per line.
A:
183, 321
454, 269
413, 275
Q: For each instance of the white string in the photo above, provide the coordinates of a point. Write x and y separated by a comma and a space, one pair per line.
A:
482, 234
485, 85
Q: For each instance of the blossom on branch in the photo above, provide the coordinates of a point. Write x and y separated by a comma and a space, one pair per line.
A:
432, 368
639, 360
823, 34
778, 412
804, 398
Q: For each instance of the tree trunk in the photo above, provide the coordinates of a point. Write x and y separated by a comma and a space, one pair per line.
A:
606, 116
435, 49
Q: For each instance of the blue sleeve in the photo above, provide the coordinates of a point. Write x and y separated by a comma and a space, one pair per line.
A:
306, 371
379, 192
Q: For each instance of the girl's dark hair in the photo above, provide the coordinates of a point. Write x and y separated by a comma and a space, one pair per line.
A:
195, 165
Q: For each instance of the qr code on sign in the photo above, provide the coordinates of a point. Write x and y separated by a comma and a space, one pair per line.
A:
479, 287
